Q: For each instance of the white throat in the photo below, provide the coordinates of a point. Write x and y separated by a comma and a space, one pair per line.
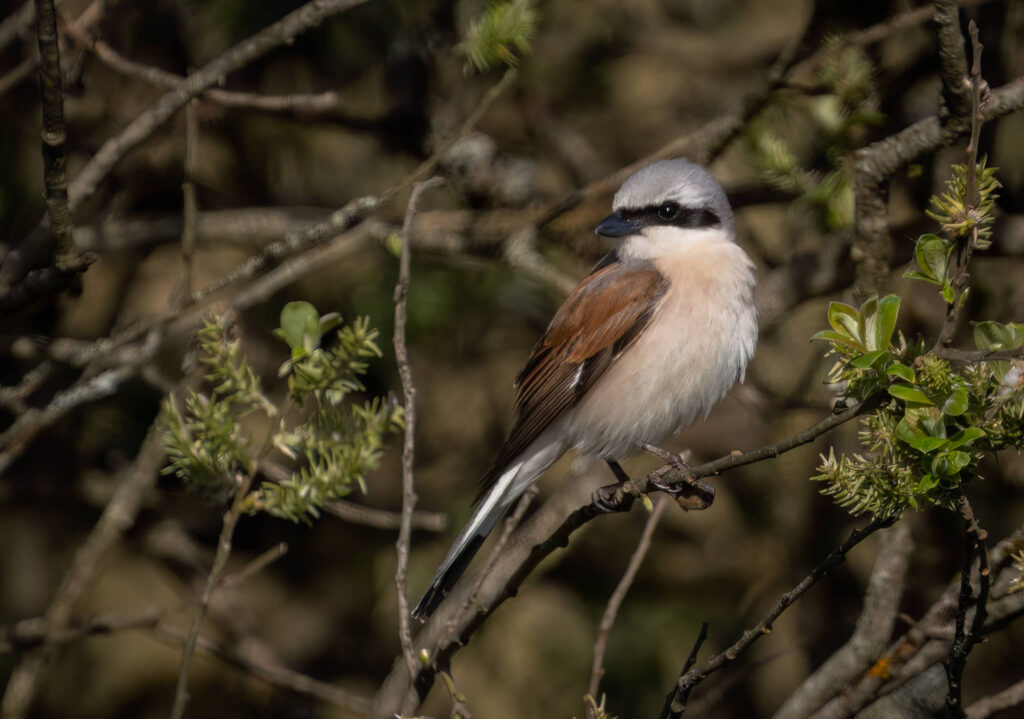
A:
663, 240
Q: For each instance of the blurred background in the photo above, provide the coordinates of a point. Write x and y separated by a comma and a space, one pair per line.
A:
606, 83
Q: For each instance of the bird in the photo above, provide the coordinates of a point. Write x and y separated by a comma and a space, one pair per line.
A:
645, 345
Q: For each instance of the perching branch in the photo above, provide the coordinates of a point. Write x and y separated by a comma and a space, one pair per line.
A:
548, 529
408, 446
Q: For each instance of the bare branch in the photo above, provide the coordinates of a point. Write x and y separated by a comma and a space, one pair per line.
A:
694, 677
1006, 699
408, 446
113, 150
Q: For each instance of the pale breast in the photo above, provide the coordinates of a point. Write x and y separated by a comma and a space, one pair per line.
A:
696, 347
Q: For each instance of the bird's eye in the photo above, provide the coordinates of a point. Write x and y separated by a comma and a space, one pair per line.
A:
668, 211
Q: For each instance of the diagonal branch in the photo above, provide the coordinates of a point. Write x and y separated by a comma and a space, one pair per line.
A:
837, 556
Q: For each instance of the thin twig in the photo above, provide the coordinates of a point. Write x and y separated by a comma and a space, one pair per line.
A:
691, 660
965, 245
408, 446
964, 639
220, 560
30, 633
190, 209
272, 673
52, 133
256, 566
694, 677
619, 595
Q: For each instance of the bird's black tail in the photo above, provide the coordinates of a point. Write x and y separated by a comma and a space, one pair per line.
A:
446, 577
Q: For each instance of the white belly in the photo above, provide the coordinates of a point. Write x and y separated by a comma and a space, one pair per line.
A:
696, 347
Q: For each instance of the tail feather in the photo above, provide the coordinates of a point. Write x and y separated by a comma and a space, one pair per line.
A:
511, 483
469, 541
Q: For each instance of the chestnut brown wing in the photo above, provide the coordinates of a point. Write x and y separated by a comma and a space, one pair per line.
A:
599, 319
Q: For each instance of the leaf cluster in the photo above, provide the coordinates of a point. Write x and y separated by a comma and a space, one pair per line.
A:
961, 215
334, 445
501, 36
934, 422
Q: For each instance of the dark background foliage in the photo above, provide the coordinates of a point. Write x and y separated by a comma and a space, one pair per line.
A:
606, 83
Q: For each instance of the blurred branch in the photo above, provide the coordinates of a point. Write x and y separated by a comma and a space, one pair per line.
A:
21, 72
30, 633
692, 678
953, 59
273, 673
1006, 699
872, 633
18, 23
617, 597
306, 104
408, 445
119, 514
181, 696
283, 31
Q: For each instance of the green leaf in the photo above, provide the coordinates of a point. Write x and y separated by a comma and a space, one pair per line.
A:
956, 404
300, 326
867, 320
900, 370
845, 320
908, 393
927, 482
837, 337
948, 293
965, 436
932, 255
869, 360
957, 461
888, 311
917, 439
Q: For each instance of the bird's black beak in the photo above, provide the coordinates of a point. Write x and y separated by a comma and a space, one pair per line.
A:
616, 225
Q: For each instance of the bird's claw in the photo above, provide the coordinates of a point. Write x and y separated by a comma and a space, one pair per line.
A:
692, 494
607, 498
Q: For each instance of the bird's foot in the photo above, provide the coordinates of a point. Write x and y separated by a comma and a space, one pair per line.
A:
605, 498
691, 494
676, 460
614, 497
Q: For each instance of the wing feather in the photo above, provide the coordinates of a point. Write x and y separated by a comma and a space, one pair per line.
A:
602, 316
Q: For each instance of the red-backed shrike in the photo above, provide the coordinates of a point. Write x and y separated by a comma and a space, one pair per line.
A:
647, 344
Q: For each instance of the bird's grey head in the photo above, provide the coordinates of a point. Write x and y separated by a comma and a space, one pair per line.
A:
675, 193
